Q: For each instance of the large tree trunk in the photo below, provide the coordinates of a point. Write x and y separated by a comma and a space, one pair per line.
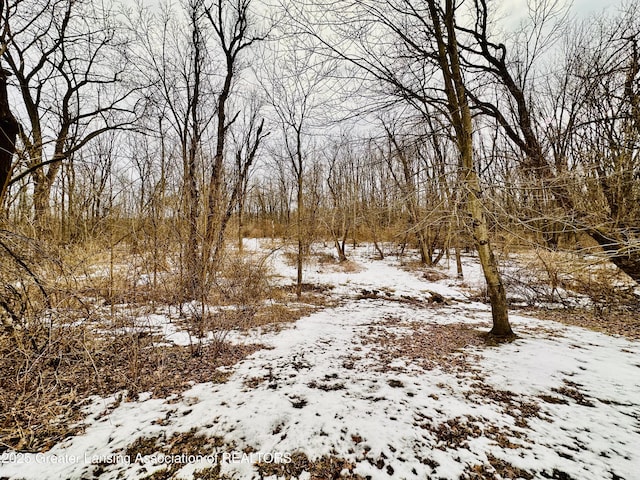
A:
495, 287
8, 134
460, 114
619, 252
41, 203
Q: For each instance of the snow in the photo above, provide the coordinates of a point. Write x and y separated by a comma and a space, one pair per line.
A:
319, 389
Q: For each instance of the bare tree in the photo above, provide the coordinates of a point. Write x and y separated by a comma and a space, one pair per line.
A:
68, 61
174, 63
605, 139
415, 43
293, 86
448, 57
408, 164
215, 163
247, 144
612, 66
343, 180
235, 33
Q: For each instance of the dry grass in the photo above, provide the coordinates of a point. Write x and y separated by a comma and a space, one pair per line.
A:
347, 266
74, 333
276, 315
241, 281
122, 288
44, 389
59, 345
622, 323
291, 258
433, 275
564, 274
324, 260
316, 295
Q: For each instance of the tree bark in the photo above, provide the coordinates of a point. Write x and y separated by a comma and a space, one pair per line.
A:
300, 211
8, 134
460, 114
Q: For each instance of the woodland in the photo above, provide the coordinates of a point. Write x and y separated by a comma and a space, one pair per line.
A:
203, 199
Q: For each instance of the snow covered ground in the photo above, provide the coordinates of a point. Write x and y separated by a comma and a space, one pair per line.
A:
558, 402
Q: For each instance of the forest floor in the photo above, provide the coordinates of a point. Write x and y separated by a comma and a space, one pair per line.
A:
394, 378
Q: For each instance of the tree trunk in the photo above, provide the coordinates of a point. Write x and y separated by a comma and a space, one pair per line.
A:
460, 114
619, 250
41, 204
240, 226
459, 262
342, 257
628, 261
299, 234
496, 291
191, 198
8, 133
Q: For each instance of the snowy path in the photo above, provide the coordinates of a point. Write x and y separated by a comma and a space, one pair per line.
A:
324, 390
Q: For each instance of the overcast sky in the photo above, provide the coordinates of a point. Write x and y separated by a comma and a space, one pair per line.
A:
579, 7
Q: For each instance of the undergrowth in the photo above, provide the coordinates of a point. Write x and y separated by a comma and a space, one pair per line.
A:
44, 390
68, 333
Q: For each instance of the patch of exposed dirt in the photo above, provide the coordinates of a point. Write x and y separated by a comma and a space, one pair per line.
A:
181, 446
329, 383
327, 467
622, 323
428, 346
433, 275
433, 298
313, 294
520, 408
345, 266
572, 391
495, 469
456, 432
276, 315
